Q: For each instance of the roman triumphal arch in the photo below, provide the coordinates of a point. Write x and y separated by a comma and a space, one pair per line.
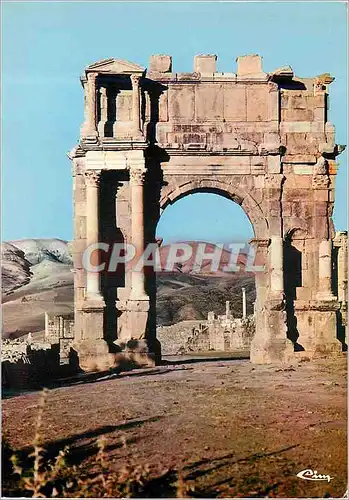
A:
261, 139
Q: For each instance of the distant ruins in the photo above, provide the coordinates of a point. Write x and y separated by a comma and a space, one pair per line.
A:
222, 333
152, 136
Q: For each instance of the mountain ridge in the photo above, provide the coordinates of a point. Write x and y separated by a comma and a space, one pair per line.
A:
37, 278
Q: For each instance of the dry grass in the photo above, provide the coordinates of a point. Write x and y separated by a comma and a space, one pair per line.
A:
37, 476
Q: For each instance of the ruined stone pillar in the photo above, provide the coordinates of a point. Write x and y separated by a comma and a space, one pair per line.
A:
92, 179
137, 231
90, 126
244, 303
276, 265
104, 111
227, 308
325, 271
343, 269
136, 107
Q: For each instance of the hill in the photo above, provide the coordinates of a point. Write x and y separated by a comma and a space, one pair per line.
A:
37, 277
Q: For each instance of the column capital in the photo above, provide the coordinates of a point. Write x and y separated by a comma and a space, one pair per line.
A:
93, 178
91, 77
137, 175
135, 80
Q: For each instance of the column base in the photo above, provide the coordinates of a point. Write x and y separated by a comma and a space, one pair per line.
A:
94, 355
93, 301
133, 350
272, 351
326, 297
270, 344
138, 136
138, 297
134, 353
317, 324
88, 133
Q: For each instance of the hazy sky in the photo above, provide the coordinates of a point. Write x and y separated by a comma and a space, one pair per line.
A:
47, 45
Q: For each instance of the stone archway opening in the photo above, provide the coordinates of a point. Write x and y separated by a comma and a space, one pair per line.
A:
205, 301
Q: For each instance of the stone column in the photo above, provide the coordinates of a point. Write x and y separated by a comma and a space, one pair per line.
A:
104, 111
227, 309
137, 175
325, 271
343, 269
243, 303
136, 105
90, 125
92, 179
276, 265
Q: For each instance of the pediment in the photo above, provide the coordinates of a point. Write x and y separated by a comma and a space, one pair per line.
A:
115, 66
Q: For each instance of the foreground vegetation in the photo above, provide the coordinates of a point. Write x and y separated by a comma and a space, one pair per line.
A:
38, 475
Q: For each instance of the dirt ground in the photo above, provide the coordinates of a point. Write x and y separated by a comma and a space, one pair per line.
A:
231, 428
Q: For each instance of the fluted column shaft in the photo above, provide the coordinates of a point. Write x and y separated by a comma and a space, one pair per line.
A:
343, 272
136, 104
93, 282
325, 271
90, 125
104, 111
244, 305
277, 265
137, 230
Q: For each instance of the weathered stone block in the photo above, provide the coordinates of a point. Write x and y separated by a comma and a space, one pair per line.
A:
274, 208
257, 169
209, 102
298, 102
124, 105
163, 107
249, 65
274, 107
259, 182
320, 195
303, 293
286, 208
284, 99
299, 181
295, 127
316, 101
297, 208
296, 114
235, 103
161, 63
291, 194
181, 102
188, 76
320, 115
205, 63
257, 103
122, 207
321, 209
274, 164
